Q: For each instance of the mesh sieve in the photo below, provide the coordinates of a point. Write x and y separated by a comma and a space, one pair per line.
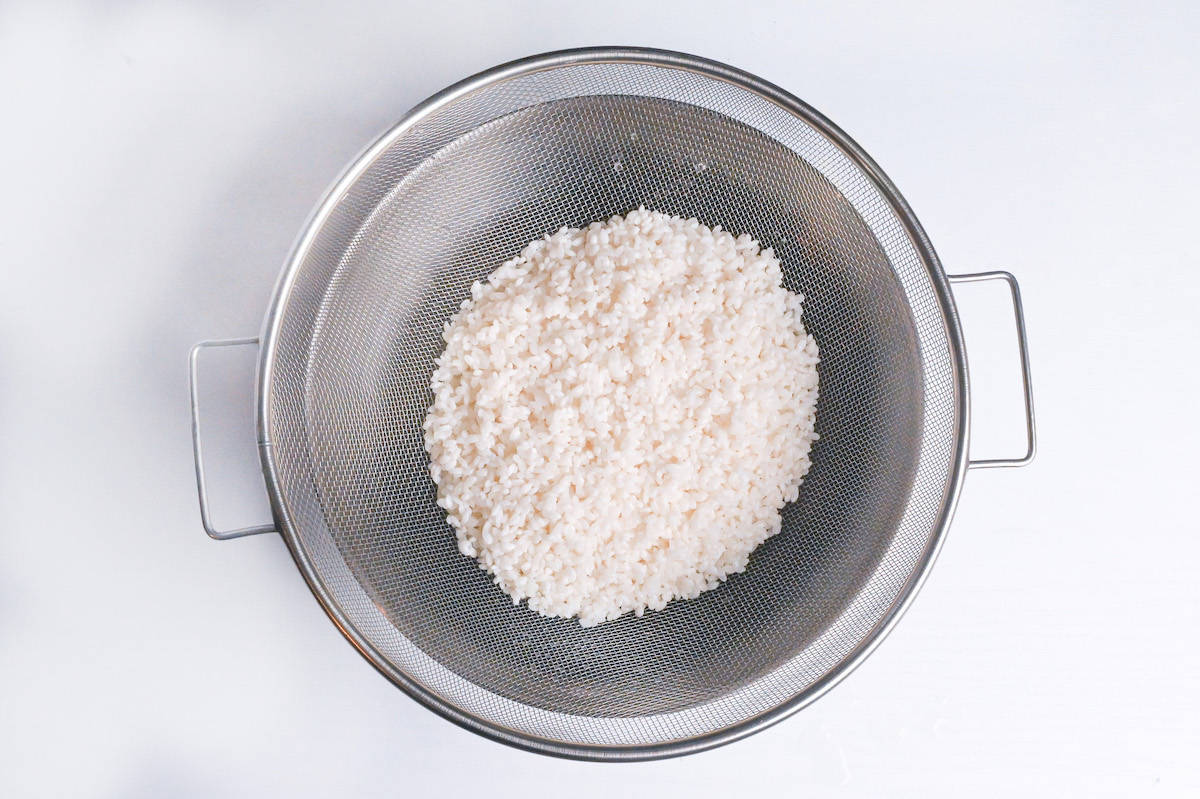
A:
460, 186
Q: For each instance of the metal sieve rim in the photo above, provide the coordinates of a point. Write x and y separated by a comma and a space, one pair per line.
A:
651, 57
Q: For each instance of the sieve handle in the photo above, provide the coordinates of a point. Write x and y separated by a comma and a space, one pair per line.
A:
1023, 344
201, 488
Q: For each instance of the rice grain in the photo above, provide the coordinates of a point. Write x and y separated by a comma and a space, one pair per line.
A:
620, 413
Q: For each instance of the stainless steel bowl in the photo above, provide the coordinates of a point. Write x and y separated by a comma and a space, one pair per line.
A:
459, 185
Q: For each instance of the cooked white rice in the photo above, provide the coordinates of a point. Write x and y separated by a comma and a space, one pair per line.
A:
620, 413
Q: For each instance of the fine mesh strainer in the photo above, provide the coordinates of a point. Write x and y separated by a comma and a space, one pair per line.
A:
460, 185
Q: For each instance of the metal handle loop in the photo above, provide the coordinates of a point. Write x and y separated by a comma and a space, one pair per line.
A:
201, 488
1023, 344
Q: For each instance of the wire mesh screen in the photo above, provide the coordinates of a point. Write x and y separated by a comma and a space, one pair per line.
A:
446, 201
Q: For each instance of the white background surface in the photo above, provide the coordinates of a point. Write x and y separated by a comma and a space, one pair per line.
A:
157, 161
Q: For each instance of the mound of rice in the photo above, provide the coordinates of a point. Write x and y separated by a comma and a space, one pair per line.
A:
620, 413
